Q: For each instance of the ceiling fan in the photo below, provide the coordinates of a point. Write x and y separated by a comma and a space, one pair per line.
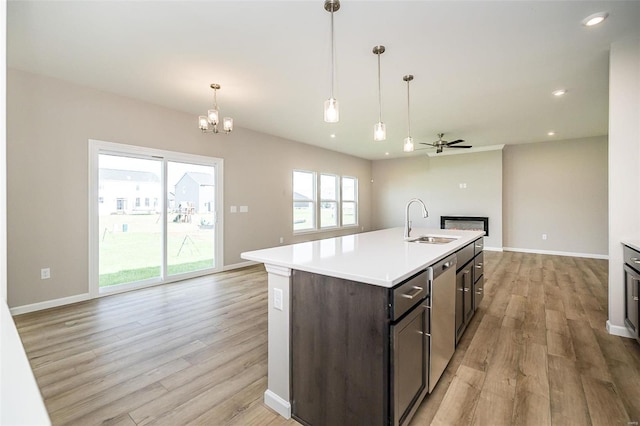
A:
440, 144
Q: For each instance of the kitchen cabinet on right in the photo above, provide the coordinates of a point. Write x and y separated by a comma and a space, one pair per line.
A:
469, 284
632, 290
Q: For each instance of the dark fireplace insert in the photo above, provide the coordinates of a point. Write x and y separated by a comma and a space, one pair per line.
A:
466, 223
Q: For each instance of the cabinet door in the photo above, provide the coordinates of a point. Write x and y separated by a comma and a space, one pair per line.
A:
468, 292
410, 362
478, 292
631, 285
459, 304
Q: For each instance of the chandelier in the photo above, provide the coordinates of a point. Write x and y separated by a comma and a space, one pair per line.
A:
209, 123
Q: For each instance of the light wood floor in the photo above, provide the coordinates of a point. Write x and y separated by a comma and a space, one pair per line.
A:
537, 352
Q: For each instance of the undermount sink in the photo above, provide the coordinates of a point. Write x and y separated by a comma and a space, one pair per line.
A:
431, 239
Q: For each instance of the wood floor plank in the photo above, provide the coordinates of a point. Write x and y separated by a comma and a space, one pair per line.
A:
459, 402
605, 406
502, 372
568, 401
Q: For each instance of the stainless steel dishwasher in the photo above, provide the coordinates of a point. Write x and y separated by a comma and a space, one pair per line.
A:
442, 307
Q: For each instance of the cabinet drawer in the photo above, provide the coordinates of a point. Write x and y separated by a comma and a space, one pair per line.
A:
464, 255
478, 246
478, 266
632, 258
409, 293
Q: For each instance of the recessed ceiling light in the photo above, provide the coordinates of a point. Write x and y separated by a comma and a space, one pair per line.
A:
559, 92
332, 135
551, 133
594, 19
386, 153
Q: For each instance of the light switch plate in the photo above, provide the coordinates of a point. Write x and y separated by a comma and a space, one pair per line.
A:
244, 209
234, 209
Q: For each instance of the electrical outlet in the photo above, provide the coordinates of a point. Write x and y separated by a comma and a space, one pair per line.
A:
281, 240
277, 299
45, 273
544, 236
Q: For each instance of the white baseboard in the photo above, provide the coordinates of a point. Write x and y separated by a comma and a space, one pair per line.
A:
239, 265
616, 330
277, 404
557, 253
49, 304
492, 248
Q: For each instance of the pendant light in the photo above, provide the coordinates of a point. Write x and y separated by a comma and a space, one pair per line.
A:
408, 141
331, 110
379, 130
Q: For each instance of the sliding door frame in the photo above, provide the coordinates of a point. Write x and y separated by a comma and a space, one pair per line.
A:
96, 148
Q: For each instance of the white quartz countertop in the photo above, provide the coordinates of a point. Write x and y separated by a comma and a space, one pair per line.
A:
381, 258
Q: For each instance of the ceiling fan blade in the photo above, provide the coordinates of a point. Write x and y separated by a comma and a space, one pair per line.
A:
461, 146
455, 142
426, 143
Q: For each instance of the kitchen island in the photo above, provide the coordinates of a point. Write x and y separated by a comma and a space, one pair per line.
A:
374, 263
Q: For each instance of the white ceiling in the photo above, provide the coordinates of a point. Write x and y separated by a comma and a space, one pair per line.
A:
484, 70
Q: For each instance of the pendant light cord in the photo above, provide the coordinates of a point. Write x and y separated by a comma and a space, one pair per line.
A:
408, 112
333, 52
379, 93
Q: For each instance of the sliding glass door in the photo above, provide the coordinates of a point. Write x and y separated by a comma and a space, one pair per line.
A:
129, 209
191, 217
153, 216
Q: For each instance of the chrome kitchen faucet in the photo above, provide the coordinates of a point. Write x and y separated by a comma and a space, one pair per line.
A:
407, 222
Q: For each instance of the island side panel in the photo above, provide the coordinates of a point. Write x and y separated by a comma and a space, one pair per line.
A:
339, 351
277, 395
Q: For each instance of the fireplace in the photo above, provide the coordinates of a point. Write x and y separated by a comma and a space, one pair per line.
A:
466, 223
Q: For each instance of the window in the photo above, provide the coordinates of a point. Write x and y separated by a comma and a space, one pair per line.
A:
304, 200
323, 201
328, 201
349, 201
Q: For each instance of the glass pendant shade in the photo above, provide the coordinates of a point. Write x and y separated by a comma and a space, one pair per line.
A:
227, 124
203, 123
408, 144
379, 132
331, 111
212, 114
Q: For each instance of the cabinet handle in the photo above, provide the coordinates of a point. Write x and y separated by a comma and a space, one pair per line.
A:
466, 290
479, 291
478, 245
416, 291
479, 266
423, 333
635, 260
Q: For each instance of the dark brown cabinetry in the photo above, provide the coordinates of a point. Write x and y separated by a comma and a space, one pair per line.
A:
478, 274
632, 290
469, 284
359, 352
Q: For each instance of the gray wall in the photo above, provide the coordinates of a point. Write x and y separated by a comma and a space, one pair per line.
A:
436, 180
560, 189
49, 125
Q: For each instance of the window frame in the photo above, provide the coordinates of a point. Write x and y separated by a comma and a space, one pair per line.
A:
318, 200
336, 201
314, 201
354, 201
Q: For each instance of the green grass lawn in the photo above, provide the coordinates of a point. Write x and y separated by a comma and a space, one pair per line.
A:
131, 247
